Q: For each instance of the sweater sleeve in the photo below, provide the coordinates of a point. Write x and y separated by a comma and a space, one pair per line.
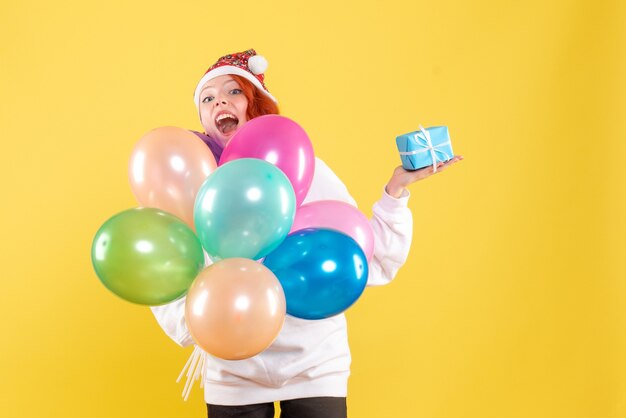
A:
171, 318
391, 221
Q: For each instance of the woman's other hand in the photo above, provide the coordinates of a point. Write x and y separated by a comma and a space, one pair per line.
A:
402, 178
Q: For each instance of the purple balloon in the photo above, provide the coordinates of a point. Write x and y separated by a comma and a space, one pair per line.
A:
279, 141
339, 216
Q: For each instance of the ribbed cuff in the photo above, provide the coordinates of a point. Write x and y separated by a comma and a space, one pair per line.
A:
390, 203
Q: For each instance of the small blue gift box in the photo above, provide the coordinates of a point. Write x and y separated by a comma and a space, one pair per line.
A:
425, 147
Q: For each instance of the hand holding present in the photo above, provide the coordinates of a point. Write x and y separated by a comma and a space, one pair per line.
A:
402, 178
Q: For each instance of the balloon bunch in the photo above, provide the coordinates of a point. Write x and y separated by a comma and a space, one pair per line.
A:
271, 254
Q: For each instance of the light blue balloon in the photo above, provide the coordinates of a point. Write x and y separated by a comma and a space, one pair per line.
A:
322, 271
245, 208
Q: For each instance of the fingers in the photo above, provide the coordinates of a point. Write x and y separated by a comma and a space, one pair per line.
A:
443, 166
408, 177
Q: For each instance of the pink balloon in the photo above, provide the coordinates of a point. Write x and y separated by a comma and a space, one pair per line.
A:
280, 141
339, 216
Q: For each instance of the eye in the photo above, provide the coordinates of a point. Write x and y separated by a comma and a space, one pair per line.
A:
236, 91
207, 99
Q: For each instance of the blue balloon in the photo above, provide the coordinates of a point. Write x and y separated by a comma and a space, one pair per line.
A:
322, 271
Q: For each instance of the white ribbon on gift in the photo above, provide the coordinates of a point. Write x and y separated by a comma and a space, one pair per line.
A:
427, 146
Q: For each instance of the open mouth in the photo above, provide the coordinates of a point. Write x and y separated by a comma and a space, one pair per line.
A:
226, 123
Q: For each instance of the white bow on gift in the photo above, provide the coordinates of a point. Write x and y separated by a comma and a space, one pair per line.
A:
427, 146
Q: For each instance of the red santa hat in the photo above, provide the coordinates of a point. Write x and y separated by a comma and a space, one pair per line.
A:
246, 64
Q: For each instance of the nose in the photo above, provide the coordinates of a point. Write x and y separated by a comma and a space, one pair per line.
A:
220, 101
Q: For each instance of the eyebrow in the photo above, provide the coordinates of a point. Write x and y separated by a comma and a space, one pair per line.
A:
212, 86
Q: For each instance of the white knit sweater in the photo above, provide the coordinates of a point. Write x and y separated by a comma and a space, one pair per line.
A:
309, 358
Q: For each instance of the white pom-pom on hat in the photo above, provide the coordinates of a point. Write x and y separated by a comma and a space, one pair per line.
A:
257, 64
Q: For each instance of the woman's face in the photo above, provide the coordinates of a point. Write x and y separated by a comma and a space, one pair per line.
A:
223, 108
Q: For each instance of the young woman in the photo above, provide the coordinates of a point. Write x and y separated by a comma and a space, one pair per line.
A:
307, 366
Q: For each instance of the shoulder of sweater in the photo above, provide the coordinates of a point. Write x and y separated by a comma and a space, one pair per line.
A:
323, 172
322, 168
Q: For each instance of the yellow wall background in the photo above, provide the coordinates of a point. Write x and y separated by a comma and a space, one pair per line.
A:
512, 301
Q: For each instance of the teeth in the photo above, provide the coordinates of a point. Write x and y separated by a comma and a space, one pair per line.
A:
224, 116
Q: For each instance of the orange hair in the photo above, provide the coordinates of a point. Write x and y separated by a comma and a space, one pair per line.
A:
258, 103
